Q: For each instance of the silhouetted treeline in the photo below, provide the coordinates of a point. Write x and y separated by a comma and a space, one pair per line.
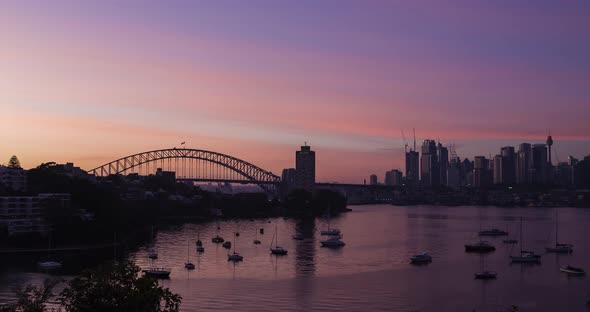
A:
321, 202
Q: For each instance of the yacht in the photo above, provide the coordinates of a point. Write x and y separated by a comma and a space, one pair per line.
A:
200, 249
217, 239
333, 242
486, 275
559, 248
157, 272
277, 250
257, 242
189, 266
481, 247
421, 258
493, 232
298, 236
525, 256
50, 265
572, 270
234, 257
199, 243
331, 232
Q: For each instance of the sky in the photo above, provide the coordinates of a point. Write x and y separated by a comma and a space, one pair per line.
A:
92, 81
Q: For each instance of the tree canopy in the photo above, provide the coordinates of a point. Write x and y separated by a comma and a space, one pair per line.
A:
13, 162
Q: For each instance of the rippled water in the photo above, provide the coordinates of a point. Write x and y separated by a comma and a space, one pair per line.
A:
372, 272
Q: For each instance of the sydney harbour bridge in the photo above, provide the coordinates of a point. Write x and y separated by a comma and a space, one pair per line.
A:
192, 165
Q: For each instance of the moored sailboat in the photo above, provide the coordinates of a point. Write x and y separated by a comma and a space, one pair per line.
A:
559, 248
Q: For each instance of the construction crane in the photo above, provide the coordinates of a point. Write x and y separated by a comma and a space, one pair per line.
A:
414, 129
405, 142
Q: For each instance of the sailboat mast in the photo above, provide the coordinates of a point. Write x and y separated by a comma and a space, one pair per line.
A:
276, 235
556, 227
521, 242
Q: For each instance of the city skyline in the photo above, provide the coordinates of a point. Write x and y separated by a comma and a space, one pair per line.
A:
91, 82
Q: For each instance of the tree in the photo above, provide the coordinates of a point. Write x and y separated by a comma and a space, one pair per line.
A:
13, 162
32, 298
116, 287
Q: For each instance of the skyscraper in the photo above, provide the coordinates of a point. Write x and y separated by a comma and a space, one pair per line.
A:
393, 177
498, 169
305, 168
443, 163
373, 179
430, 174
539, 164
481, 172
412, 167
523, 164
508, 165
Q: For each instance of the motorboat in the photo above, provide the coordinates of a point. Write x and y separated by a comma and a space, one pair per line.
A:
200, 249
486, 275
234, 257
189, 266
510, 241
278, 250
217, 239
298, 236
481, 247
561, 248
50, 265
421, 258
572, 270
330, 232
526, 257
333, 242
257, 242
157, 272
493, 232
152, 254
226, 245
261, 231
199, 243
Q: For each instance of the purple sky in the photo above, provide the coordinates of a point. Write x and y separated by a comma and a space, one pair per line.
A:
90, 81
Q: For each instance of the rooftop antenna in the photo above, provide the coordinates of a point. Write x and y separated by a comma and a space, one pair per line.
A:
414, 129
405, 142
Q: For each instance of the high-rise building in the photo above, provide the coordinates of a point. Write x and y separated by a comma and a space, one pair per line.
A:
481, 172
498, 169
443, 163
454, 174
412, 167
305, 168
393, 177
288, 181
508, 165
373, 179
539, 164
429, 171
523, 164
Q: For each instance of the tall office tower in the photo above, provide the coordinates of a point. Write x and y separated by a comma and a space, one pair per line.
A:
454, 174
539, 164
373, 179
412, 167
305, 168
481, 172
523, 164
429, 171
288, 181
393, 177
549, 144
443, 163
498, 169
508, 165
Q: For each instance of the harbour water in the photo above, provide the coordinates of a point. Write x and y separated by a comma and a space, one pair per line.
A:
372, 272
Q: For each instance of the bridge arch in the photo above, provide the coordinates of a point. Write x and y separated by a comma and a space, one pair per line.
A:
227, 168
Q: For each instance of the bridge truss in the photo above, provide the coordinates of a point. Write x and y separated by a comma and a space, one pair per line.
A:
192, 165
